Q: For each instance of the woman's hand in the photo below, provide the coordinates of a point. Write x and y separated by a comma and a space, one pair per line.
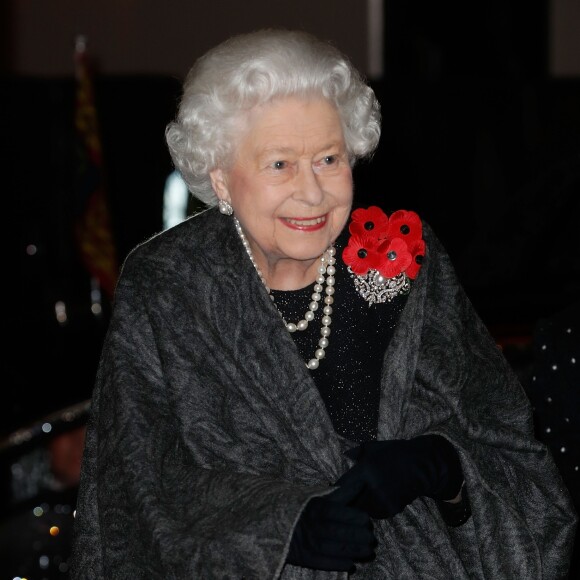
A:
330, 535
394, 473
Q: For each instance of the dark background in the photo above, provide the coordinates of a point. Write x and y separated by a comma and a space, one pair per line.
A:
478, 138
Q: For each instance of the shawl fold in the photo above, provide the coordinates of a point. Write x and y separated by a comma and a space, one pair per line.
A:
207, 435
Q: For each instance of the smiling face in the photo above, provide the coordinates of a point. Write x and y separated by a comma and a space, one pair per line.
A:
290, 185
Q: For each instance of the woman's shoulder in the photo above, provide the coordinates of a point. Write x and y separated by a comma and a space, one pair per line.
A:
194, 240
194, 231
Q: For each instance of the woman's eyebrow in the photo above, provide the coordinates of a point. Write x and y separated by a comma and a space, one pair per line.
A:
276, 151
288, 150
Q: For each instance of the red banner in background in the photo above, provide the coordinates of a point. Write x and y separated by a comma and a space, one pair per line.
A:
93, 231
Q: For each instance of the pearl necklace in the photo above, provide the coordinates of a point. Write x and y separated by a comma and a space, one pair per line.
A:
326, 272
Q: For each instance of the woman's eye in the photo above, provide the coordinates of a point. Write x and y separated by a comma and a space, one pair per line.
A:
279, 165
327, 162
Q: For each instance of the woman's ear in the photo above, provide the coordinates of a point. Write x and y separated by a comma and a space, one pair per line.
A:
219, 184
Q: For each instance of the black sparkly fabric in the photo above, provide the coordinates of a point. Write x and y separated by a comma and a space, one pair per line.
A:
348, 377
554, 390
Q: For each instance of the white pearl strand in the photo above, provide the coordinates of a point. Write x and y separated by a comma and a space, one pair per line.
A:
326, 272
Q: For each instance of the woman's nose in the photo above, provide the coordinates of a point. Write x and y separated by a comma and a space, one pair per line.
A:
308, 187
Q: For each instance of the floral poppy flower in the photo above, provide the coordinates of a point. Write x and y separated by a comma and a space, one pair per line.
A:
361, 254
370, 221
417, 250
405, 225
394, 257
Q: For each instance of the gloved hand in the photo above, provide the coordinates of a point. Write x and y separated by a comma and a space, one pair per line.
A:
394, 473
330, 535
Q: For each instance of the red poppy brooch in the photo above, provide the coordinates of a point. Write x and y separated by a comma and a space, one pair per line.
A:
384, 253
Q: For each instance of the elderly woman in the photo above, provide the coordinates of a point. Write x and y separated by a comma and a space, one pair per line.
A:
292, 389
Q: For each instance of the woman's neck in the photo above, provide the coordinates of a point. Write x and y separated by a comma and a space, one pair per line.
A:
289, 274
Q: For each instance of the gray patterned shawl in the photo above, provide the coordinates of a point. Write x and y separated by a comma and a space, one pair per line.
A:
207, 434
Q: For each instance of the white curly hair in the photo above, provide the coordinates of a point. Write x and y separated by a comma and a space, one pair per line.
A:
252, 69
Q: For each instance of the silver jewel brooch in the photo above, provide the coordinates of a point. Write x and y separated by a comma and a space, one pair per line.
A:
375, 288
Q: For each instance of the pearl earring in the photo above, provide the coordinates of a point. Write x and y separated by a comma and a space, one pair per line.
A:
225, 207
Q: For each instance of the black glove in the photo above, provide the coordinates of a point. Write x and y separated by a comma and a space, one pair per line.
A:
330, 535
394, 473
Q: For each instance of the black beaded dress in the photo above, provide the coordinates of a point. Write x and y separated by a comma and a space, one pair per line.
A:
348, 377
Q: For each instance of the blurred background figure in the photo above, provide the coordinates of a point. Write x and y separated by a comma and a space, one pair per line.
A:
39, 470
